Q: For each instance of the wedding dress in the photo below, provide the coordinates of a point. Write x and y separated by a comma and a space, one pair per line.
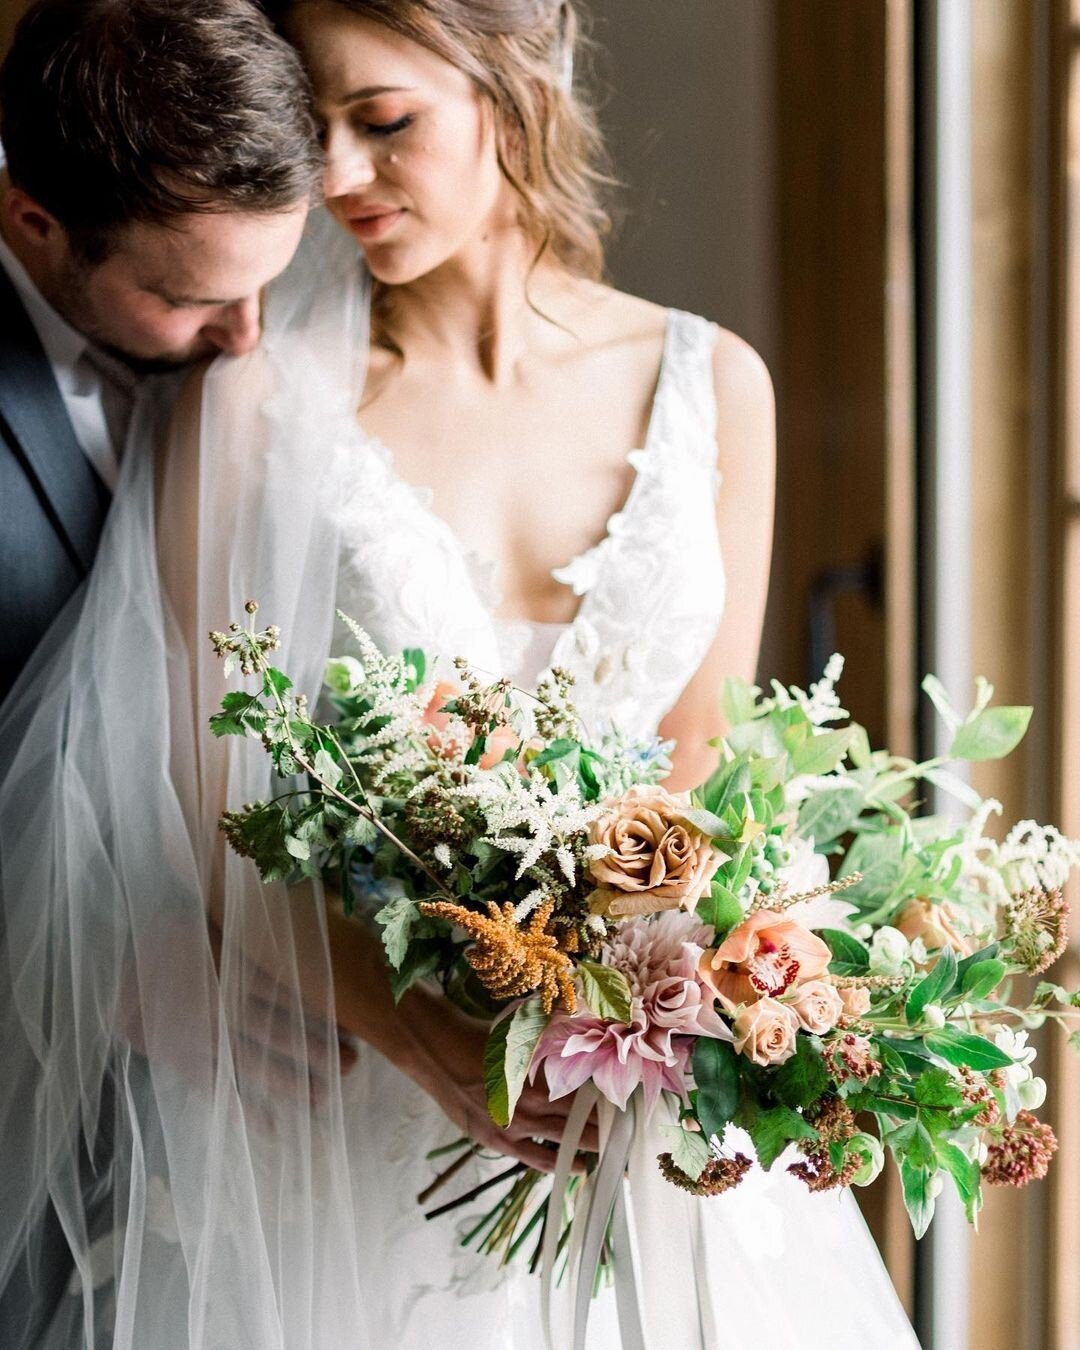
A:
236, 1215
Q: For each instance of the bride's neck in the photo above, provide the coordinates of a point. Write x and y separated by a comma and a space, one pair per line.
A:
479, 308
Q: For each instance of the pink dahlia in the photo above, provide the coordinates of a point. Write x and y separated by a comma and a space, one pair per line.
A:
670, 1006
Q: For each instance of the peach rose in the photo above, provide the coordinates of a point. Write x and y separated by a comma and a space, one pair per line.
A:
921, 918
657, 860
856, 1000
764, 955
765, 1032
817, 1005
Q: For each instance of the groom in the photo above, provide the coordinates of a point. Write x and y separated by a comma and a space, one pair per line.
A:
160, 159
160, 162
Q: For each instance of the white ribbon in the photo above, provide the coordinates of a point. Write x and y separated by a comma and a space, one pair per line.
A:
661, 1281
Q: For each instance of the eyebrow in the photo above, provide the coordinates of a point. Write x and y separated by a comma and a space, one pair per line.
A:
372, 91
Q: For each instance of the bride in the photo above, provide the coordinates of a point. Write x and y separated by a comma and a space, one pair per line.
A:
455, 433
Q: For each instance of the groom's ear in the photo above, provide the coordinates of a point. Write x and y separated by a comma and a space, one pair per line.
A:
34, 227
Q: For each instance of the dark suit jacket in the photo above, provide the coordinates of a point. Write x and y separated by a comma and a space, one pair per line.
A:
52, 502
52, 508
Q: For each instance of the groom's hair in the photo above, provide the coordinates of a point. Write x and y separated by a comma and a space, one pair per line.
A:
116, 111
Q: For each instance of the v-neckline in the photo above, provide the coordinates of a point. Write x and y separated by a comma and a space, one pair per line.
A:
477, 565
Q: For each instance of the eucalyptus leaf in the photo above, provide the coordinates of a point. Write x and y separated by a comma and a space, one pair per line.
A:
991, 734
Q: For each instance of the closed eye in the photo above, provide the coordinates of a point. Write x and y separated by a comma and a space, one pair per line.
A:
389, 128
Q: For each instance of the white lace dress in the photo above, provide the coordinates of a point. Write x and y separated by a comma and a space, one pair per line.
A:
786, 1268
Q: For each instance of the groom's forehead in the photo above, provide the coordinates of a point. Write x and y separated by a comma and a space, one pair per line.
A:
212, 257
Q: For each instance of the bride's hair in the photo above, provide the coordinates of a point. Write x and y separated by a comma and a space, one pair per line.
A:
521, 54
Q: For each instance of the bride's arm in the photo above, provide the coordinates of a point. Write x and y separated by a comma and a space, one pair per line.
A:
424, 1035
746, 445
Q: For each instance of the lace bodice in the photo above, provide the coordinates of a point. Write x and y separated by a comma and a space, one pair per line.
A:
651, 590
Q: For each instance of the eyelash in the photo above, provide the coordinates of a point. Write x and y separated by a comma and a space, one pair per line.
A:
389, 128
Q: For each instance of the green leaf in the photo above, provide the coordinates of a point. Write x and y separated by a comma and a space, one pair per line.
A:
991, 734
770, 772
803, 1078
829, 813
955, 786
983, 954
716, 1073
982, 979
606, 990
705, 822
507, 1057
689, 1150
920, 1150
934, 987
963, 1047
939, 697
736, 702
774, 1129
298, 848
421, 960
730, 782
240, 713
821, 753
965, 1174
847, 950
415, 663
720, 909
327, 768
918, 1199
936, 1087
859, 752
275, 682
397, 919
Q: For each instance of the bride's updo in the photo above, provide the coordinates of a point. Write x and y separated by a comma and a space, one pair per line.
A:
521, 54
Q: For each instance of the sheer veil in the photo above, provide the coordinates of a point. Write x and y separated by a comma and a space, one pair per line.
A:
160, 1069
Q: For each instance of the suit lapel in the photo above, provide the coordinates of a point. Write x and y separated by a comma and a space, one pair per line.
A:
33, 409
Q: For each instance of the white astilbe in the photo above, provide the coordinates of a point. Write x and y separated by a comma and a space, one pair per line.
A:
1031, 856
524, 817
442, 854
821, 705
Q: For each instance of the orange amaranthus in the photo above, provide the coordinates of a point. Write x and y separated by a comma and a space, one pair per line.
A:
510, 960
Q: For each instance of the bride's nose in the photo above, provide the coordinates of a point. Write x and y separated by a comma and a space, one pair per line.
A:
349, 164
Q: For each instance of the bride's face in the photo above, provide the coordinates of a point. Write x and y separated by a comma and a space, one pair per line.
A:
411, 168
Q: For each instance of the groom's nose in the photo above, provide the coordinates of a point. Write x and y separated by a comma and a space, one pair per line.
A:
236, 328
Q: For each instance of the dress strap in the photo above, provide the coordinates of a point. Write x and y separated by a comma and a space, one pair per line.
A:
686, 395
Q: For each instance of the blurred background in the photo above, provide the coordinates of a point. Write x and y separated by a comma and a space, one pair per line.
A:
883, 196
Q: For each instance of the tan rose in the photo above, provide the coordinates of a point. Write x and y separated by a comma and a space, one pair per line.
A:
765, 1031
856, 1000
935, 924
657, 860
817, 1005
766, 954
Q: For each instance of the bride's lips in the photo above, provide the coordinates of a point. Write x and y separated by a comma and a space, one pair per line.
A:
373, 222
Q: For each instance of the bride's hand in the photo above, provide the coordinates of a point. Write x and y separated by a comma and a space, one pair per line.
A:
448, 1063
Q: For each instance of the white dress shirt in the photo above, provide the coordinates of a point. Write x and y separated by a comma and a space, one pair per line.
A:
98, 404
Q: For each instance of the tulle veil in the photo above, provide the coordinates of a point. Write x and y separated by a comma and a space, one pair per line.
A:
159, 1070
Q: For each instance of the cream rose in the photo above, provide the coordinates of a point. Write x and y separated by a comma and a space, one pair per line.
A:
655, 859
765, 1031
856, 1000
817, 1005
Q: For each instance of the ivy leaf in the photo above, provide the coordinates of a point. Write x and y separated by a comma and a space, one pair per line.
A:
934, 987
397, 919
803, 1078
606, 990
963, 1047
716, 1073
689, 1150
966, 1176
774, 1129
991, 734
507, 1057
918, 1198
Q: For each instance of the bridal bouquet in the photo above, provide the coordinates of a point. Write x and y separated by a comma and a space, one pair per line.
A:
789, 951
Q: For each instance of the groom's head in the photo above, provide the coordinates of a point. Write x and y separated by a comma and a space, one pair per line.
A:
161, 158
